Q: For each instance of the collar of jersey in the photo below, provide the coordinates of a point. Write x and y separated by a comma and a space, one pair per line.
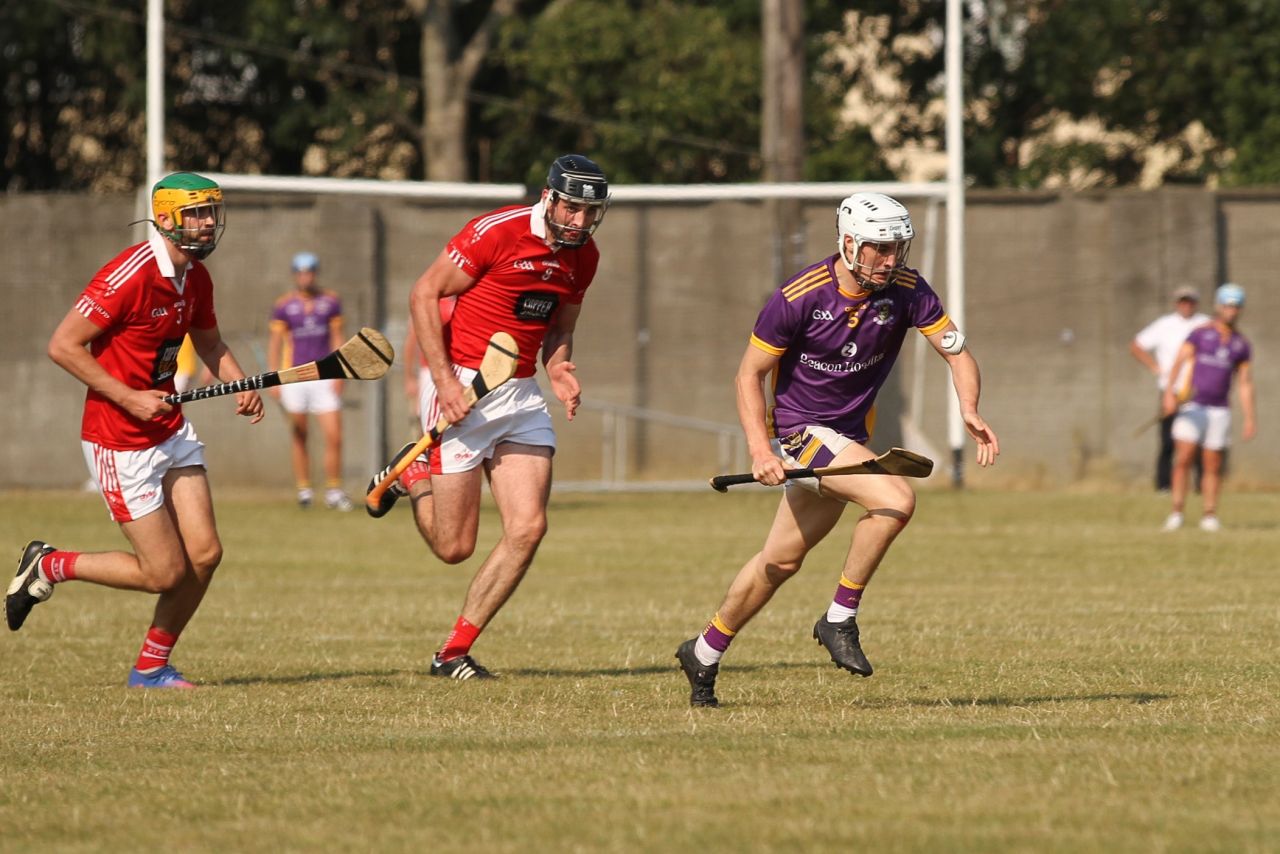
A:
538, 220
164, 262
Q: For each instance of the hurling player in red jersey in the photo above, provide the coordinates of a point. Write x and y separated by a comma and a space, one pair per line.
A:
121, 339
523, 270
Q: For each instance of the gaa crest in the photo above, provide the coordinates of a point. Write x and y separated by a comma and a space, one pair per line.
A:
882, 311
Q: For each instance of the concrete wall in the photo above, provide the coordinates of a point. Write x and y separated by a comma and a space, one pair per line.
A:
1057, 285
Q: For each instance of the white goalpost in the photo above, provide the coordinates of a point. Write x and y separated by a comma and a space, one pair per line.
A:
949, 193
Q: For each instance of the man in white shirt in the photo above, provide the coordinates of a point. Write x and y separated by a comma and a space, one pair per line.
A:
1155, 347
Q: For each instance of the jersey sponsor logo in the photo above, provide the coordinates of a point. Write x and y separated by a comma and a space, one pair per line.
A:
536, 305
840, 367
849, 350
822, 314
88, 308
166, 364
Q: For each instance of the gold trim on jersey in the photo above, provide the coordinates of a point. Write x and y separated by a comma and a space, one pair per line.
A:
860, 295
936, 326
766, 346
906, 278
807, 282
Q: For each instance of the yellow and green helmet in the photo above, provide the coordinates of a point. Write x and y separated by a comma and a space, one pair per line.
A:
193, 204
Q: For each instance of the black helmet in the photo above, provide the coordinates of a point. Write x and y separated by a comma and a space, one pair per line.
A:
578, 179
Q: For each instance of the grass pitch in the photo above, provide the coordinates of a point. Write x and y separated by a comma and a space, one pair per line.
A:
1052, 673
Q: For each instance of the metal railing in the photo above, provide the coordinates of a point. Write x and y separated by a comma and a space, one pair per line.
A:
616, 449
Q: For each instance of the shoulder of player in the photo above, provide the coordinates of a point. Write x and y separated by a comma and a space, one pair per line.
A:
910, 279
283, 300
500, 219
809, 282
130, 264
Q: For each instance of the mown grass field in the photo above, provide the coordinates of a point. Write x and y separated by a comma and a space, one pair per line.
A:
1053, 674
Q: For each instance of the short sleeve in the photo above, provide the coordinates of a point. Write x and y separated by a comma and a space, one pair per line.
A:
925, 310
473, 249
277, 312
1148, 338
778, 324
109, 297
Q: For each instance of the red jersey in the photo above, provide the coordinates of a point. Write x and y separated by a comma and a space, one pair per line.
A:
145, 313
521, 283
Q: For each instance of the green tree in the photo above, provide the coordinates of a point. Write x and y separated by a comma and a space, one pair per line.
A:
72, 92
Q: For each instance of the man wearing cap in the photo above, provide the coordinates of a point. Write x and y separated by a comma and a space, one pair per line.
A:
306, 325
1217, 354
1155, 347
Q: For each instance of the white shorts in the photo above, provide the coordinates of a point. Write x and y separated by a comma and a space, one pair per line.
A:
811, 447
1207, 426
513, 412
315, 397
132, 481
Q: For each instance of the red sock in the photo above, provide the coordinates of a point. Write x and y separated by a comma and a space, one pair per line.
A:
459, 641
155, 649
56, 567
417, 470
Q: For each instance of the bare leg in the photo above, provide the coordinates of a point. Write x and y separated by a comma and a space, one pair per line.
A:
298, 448
520, 477
331, 426
1182, 455
1211, 481
189, 504
802, 520
446, 508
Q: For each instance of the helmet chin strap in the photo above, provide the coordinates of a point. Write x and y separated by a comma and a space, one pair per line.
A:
859, 277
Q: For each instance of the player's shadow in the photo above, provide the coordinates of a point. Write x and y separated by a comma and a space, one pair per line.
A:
647, 670
304, 678
1138, 698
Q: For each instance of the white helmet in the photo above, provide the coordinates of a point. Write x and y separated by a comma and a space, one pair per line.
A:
872, 218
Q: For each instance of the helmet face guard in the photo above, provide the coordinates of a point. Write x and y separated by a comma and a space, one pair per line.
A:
193, 206
881, 223
575, 186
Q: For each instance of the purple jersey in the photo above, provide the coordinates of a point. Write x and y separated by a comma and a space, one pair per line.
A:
836, 349
307, 322
1214, 362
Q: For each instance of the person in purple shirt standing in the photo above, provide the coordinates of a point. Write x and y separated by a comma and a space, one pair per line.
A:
1217, 353
828, 339
306, 325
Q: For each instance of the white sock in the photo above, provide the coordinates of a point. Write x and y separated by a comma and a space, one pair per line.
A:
705, 652
839, 613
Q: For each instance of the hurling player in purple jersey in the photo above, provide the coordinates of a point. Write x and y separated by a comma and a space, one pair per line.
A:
1217, 353
827, 340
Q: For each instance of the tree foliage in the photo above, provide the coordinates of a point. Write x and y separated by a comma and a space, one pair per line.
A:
1108, 92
